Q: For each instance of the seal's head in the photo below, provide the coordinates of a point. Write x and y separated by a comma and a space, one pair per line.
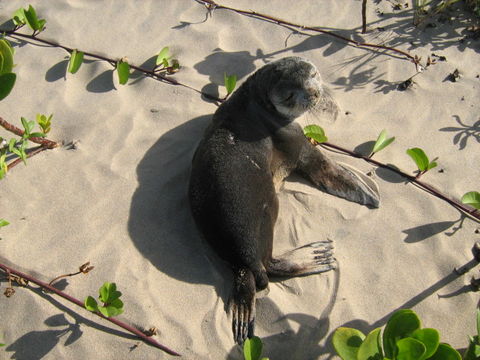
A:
289, 86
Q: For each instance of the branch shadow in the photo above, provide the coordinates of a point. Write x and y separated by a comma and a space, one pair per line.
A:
37, 344
426, 231
464, 132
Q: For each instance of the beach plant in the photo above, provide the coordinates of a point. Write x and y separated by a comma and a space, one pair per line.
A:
45, 123
473, 350
315, 133
165, 62
381, 143
403, 339
76, 59
421, 160
123, 71
110, 297
252, 349
4, 222
230, 83
30, 18
472, 198
18, 146
7, 77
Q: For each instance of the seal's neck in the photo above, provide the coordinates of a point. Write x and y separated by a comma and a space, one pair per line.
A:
267, 115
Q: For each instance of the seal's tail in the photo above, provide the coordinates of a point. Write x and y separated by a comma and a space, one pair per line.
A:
242, 305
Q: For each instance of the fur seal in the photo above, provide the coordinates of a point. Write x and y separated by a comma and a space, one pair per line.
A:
250, 147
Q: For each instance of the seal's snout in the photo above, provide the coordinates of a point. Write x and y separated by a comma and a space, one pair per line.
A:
313, 93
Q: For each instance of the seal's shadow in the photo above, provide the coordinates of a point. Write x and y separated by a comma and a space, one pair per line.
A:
160, 223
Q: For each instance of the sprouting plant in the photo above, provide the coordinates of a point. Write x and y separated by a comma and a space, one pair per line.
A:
44, 122
165, 62
110, 297
473, 350
472, 198
381, 143
402, 339
76, 59
230, 83
315, 133
252, 349
29, 17
123, 70
2, 342
3, 222
422, 161
7, 78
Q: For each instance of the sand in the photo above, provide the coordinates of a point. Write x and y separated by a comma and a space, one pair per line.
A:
119, 199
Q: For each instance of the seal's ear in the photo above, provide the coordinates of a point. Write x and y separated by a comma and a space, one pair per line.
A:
327, 104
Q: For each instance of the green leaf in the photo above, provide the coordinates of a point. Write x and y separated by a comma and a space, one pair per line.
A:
472, 198
478, 310
109, 293
6, 84
371, 347
3, 222
315, 132
91, 304
230, 82
410, 349
382, 142
31, 18
44, 122
37, 134
76, 60
252, 348
419, 157
110, 311
175, 64
6, 57
428, 337
41, 24
11, 144
123, 70
446, 352
347, 342
162, 55
473, 350
18, 17
400, 325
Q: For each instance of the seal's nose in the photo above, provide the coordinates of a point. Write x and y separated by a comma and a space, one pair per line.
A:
313, 93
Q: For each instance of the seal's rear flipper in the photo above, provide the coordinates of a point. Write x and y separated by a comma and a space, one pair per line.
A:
338, 179
309, 259
242, 305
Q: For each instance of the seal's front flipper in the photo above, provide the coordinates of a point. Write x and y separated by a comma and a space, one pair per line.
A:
338, 179
242, 305
309, 259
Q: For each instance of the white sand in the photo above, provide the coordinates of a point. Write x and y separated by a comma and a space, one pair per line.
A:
119, 199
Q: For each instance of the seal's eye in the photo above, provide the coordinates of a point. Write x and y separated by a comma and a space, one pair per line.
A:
289, 96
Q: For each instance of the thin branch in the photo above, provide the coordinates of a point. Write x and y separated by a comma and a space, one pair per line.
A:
36, 151
364, 16
154, 73
123, 325
212, 5
413, 179
48, 144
